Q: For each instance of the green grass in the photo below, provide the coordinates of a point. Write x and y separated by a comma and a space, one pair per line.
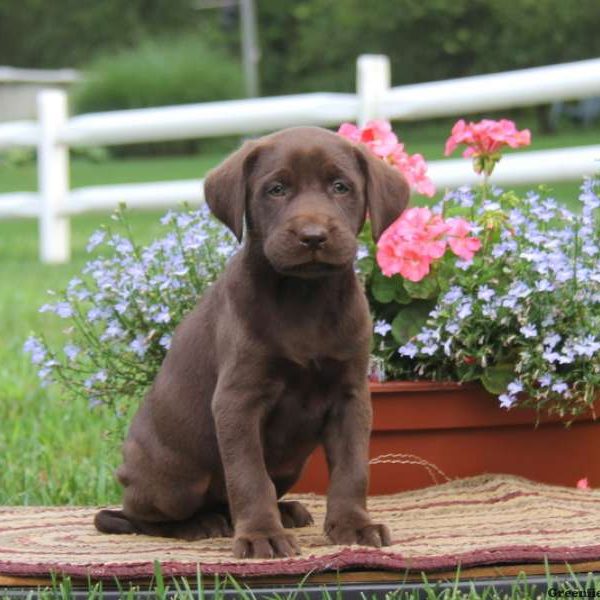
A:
23, 178
200, 587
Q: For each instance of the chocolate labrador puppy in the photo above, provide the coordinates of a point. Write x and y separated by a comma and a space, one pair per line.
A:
272, 361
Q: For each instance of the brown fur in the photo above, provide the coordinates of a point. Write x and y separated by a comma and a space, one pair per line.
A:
272, 361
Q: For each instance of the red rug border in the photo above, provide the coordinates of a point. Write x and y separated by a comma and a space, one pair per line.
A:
346, 558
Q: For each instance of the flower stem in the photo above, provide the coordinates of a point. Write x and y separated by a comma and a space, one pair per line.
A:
485, 186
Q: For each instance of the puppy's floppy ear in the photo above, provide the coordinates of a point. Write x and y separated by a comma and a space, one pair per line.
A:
225, 187
386, 189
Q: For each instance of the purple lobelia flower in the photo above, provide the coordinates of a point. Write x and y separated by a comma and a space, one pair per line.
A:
126, 302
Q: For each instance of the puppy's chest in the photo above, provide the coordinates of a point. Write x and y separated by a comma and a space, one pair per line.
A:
310, 332
306, 391
317, 345
296, 418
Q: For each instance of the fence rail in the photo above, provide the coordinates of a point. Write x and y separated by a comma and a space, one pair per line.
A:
526, 87
54, 133
18, 133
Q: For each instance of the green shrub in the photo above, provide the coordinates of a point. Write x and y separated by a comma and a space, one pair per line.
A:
68, 33
159, 72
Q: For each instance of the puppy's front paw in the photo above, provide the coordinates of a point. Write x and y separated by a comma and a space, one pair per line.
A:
265, 544
344, 533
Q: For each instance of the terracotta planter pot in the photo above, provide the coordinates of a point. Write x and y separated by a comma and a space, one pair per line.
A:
462, 430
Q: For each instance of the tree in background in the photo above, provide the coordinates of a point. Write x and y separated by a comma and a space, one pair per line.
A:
68, 33
307, 45
312, 44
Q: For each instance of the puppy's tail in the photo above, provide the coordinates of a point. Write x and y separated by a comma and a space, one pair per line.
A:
113, 521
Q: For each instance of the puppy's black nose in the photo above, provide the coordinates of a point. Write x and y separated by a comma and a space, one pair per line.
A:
313, 236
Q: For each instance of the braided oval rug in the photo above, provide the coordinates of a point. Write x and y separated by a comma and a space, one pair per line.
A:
488, 519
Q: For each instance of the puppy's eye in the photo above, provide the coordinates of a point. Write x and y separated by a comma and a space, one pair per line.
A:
340, 187
276, 189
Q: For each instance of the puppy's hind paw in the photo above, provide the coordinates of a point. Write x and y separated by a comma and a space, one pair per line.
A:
206, 525
294, 514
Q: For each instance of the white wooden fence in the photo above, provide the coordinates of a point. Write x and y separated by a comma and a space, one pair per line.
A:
54, 133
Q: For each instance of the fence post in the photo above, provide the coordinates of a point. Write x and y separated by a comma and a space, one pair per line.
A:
373, 80
53, 177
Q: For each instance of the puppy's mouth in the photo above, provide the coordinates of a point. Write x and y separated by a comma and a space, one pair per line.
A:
311, 269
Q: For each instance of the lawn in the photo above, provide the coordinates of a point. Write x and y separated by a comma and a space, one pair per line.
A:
23, 178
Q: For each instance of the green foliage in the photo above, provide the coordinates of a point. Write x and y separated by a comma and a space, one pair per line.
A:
22, 176
309, 45
425, 289
68, 33
429, 40
54, 451
496, 378
221, 588
410, 320
388, 289
158, 72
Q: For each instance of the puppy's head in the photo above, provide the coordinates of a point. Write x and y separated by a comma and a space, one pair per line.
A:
305, 193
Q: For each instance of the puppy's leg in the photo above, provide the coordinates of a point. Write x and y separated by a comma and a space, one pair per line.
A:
346, 446
238, 409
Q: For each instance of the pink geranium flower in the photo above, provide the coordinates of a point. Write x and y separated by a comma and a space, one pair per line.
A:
583, 484
378, 136
459, 241
419, 237
409, 260
485, 139
414, 168
350, 132
419, 226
